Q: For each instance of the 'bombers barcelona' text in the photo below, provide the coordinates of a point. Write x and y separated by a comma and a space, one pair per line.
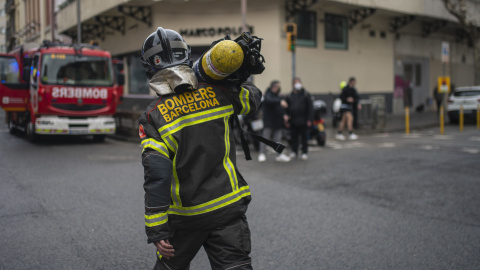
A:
188, 102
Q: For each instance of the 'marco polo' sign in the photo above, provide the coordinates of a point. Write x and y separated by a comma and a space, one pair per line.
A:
214, 31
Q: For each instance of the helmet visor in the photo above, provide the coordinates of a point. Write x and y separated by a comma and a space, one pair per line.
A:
161, 57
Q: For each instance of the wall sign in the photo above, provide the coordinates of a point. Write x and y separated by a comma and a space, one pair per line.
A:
214, 31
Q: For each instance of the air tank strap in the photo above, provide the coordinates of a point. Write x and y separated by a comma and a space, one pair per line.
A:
277, 147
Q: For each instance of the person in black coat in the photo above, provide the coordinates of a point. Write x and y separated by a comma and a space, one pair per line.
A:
350, 102
300, 113
274, 117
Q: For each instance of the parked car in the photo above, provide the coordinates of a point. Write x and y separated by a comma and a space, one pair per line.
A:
469, 98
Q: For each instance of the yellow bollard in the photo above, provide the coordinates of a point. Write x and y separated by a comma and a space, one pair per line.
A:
441, 120
407, 120
478, 116
461, 118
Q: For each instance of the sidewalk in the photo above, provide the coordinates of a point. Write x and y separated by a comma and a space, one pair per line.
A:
394, 123
417, 120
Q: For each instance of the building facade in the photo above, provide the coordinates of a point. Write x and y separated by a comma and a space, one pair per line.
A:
3, 27
388, 45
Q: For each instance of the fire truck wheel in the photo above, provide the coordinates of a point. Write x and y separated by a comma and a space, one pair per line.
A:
30, 130
99, 138
10, 125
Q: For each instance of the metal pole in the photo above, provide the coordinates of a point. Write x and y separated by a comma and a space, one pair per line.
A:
478, 116
293, 65
52, 19
79, 24
42, 20
407, 120
444, 103
441, 120
461, 118
244, 15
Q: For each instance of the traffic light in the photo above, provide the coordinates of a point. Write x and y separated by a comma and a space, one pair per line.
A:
291, 30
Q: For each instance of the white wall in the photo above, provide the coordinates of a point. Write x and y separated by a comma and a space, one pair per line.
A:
460, 68
369, 59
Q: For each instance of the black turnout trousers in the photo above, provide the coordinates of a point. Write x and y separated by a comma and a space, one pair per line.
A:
227, 247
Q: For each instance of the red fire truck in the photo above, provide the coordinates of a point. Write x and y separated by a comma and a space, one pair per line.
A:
60, 89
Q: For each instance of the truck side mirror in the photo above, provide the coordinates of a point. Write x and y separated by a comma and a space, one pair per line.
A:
120, 79
26, 74
27, 62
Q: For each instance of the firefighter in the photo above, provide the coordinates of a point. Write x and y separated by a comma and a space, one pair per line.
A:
194, 194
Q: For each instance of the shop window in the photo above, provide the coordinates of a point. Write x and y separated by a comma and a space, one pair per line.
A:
306, 28
137, 79
336, 32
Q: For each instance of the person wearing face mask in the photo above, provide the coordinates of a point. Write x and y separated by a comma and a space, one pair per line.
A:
300, 117
274, 117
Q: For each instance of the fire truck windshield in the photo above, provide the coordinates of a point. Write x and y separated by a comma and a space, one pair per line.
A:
78, 70
9, 70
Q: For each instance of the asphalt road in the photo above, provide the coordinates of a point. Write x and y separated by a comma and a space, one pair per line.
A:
386, 201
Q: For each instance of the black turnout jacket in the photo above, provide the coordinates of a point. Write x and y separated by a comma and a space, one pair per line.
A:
189, 158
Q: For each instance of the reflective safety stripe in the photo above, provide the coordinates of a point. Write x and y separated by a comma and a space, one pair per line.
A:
155, 145
194, 119
171, 143
211, 205
245, 100
155, 220
175, 186
227, 163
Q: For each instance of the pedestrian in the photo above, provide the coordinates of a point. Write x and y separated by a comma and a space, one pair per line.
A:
194, 193
350, 99
300, 118
274, 117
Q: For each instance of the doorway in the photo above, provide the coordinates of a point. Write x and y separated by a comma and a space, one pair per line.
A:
415, 73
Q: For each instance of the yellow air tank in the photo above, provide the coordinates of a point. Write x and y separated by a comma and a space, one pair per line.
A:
222, 59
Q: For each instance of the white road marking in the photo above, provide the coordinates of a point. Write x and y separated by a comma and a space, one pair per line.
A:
346, 145
387, 145
428, 147
334, 145
476, 139
471, 150
442, 137
381, 135
412, 136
